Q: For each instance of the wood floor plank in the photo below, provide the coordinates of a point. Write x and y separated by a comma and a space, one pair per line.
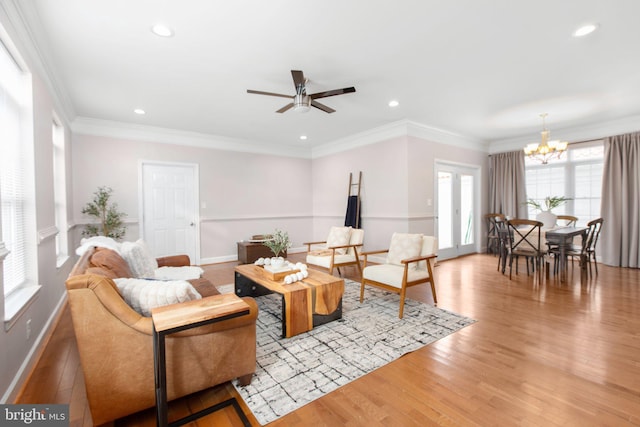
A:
541, 353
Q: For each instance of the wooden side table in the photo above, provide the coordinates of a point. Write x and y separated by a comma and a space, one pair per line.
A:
179, 317
248, 252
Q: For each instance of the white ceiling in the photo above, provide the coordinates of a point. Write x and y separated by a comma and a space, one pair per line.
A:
482, 69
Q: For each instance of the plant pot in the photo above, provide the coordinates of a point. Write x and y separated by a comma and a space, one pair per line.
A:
277, 262
547, 218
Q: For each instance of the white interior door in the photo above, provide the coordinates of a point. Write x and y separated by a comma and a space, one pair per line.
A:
456, 189
170, 209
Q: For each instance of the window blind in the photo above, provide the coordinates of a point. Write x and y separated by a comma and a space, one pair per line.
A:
13, 101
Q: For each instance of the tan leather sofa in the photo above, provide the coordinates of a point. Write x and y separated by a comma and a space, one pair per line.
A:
116, 343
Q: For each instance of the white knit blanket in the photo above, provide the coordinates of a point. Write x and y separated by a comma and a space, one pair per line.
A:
178, 273
143, 295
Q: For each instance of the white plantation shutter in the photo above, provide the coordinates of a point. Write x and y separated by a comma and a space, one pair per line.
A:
13, 100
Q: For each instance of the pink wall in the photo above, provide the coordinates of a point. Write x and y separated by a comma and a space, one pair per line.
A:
423, 155
384, 189
244, 193
398, 183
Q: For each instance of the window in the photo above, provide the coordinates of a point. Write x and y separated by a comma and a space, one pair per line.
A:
578, 175
60, 190
16, 184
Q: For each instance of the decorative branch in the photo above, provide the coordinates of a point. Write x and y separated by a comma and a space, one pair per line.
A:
109, 220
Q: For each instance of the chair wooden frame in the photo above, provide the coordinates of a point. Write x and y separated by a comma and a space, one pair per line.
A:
570, 220
337, 265
402, 291
595, 226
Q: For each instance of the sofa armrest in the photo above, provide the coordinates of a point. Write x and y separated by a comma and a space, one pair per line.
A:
174, 261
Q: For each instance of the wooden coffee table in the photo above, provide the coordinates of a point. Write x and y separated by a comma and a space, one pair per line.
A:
307, 303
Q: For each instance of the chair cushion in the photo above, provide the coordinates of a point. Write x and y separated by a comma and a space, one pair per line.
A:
339, 236
403, 246
357, 238
139, 258
392, 274
429, 247
143, 295
112, 264
324, 261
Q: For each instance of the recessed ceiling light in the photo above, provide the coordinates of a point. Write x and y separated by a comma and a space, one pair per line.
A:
584, 30
139, 111
303, 137
393, 103
162, 30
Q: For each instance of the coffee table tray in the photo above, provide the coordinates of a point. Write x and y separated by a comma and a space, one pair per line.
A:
276, 274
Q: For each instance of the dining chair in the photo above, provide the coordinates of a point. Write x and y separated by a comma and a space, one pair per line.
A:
524, 241
562, 221
594, 227
586, 250
493, 239
567, 220
503, 244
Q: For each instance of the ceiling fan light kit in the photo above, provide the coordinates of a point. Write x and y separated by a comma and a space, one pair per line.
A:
301, 101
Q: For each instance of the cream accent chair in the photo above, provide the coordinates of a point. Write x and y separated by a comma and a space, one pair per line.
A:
339, 250
409, 263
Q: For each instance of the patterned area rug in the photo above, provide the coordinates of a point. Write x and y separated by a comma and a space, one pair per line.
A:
294, 371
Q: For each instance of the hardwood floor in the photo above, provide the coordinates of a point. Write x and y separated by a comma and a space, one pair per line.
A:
540, 354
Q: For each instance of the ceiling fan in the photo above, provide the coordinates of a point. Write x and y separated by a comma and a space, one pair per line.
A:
302, 101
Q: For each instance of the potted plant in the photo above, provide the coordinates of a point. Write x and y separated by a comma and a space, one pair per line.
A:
109, 220
546, 216
278, 242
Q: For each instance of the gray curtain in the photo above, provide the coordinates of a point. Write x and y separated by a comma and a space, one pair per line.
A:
507, 190
620, 209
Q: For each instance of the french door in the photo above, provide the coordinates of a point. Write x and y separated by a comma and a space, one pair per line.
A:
170, 215
457, 189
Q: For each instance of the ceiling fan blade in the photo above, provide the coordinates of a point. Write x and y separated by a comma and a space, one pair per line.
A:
259, 92
322, 107
298, 78
332, 92
285, 108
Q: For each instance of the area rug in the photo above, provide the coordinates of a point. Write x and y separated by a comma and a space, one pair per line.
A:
294, 371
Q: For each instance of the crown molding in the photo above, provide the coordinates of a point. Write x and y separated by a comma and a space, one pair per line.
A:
396, 130
446, 137
113, 129
572, 134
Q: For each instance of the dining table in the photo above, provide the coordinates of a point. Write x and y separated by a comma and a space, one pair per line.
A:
563, 238
560, 236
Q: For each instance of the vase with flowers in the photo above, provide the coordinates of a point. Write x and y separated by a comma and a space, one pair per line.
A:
546, 216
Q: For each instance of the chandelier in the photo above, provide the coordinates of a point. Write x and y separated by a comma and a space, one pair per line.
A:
545, 150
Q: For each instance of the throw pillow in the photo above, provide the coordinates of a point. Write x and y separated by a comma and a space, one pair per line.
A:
110, 261
143, 295
403, 246
139, 258
339, 236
